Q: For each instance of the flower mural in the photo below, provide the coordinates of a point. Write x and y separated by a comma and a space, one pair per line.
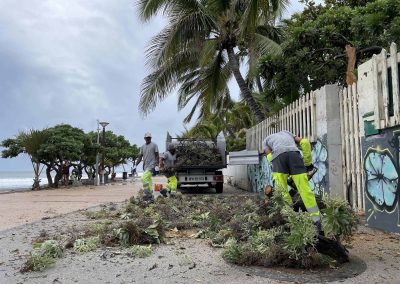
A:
266, 168
260, 175
319, 157
381, 179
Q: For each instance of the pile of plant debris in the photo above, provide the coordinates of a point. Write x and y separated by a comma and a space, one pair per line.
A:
192, 153
251, 230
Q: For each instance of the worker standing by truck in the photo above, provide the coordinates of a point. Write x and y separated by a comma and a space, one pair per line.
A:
149, 153
167, 165
281, 148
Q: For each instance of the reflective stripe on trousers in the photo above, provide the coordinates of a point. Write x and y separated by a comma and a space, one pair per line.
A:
172, 184
301, 182
147, 181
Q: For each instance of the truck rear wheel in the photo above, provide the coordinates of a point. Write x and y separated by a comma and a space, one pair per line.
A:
219, 187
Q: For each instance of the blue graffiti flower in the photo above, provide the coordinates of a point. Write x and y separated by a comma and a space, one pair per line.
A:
266, 168
319, 156
382, 179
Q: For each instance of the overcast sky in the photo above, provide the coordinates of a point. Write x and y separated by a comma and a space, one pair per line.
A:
75, 61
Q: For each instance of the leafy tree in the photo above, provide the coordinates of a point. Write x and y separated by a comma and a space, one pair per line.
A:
65, 144
196, 50
314, 45
117, 151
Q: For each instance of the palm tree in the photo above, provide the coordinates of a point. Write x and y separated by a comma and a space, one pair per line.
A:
203, 45
32, 141
29, 143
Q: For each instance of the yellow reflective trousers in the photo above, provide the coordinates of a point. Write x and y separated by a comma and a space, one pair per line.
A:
172, 184
301, 182
147, 182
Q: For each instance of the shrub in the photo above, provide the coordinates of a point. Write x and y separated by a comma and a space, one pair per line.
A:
302, 233
232, 251
339, 220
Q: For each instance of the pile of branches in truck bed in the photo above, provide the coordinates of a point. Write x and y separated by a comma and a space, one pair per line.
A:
192, 153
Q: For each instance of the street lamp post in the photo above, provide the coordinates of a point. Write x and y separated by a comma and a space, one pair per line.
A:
97, 155
103, 124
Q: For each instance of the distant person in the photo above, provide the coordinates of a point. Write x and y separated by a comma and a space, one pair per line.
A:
149, 153
80, 172
65, 173
74, 176
133, 171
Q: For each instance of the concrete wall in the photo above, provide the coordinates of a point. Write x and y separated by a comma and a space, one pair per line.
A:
236, 175
381, 161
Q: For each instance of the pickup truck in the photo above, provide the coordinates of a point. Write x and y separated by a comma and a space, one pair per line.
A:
200, 161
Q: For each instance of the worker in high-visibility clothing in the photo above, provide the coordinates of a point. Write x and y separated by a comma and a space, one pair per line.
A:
282, 150
149, 153
167, 165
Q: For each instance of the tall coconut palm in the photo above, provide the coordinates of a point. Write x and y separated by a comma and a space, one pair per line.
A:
202, 47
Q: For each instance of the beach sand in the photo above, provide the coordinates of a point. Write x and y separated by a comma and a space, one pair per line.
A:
18, 208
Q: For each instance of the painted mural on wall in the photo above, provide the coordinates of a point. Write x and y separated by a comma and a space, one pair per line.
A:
261, 175
319, 159
381, 173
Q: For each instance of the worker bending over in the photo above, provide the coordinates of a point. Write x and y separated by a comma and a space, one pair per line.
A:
167, 165
281, 149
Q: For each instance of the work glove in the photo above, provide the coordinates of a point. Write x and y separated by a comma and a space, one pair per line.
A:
310, 168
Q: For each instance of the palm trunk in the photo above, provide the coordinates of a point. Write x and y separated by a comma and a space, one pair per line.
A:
36, 180
246, 93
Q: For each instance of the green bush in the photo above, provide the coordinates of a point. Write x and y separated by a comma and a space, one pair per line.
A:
232, 251
302, 233
338, 219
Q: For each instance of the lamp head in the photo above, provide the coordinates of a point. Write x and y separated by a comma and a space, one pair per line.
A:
104, 124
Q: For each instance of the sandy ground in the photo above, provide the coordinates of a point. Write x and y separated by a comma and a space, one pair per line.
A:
19, 208
375, 255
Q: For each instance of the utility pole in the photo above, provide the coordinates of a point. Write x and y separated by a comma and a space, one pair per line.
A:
97, 182
103, 124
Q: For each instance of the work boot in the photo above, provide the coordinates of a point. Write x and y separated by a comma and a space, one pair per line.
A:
318, 227
164, 192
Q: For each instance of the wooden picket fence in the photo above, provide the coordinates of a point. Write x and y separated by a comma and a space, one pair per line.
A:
385, 72
351, 147
297, 117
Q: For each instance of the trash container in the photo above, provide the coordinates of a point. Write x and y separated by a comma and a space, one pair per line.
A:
124, 175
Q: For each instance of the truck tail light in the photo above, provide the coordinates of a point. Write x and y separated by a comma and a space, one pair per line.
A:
218, 178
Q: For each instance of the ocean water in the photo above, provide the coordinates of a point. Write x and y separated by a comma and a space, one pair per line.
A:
18, 180
23, 180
